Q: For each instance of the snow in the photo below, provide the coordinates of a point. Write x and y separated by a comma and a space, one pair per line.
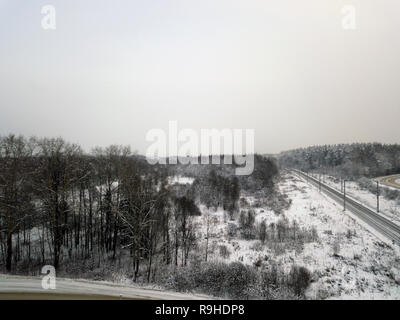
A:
397, 181
364, 268
69, 288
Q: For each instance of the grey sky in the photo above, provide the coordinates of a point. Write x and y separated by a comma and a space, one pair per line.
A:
112, 70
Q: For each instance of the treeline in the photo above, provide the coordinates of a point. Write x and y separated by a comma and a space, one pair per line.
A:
217, 186
217, 191
349, 160
58, 204
263, 176
109, 214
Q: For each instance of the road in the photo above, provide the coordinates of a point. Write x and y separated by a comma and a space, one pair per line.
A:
29, 288
391, 181
385, 227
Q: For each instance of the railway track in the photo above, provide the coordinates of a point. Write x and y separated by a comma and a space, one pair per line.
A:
375, 220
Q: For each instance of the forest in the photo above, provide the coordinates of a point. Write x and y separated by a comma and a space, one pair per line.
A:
89, 213
345, 160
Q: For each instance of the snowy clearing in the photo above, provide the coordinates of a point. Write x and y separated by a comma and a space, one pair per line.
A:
347, 261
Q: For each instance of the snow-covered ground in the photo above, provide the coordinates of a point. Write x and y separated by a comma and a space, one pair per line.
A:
17, 287
347, 261
389, 208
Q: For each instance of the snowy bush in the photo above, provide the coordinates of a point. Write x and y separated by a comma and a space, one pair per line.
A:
262, 231
238, 281
233, 280
390, 194
180, 279
246, 224
323, 292
299, 279
246, 219
367, 184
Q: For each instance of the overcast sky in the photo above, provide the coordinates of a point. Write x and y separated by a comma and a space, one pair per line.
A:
112, 70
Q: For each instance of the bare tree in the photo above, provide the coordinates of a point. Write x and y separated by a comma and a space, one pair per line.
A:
59, 163
15, 200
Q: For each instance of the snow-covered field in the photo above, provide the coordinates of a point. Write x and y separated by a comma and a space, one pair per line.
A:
347, 261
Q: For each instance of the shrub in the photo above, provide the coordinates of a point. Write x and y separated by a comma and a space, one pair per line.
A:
262, 231
282, 228
211, 278
180, 279
269, 281
390, 194
246, 223
240, 280
299, 279
249, 233
246, 219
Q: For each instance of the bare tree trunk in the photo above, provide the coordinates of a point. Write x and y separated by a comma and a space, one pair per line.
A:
9, 252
